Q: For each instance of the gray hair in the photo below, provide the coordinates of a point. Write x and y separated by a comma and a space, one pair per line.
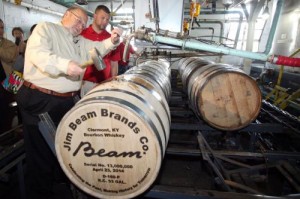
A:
76, 8
72, 8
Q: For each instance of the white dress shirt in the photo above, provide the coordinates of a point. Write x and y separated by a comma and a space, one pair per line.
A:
49, 50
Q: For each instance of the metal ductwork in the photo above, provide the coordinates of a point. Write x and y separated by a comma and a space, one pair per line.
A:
69, 3
66, 3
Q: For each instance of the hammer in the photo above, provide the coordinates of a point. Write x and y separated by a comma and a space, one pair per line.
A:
96, 59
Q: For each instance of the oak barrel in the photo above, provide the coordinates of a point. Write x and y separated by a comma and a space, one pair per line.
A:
112, 142
222, 95
187, 66
158, 71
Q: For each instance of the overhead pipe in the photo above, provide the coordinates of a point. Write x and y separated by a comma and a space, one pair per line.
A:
117, 24
278, 10
206, 28
38, 8
274, 26
156, 14
196, 45
255, 8
141, 34
133, 16
218, 22
121, 4
227, 12
115, 14
221, 30
206, 47
66, 3
275, 59
237, 35
246, 13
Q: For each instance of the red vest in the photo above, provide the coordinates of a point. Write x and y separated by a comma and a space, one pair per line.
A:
92, 74
121, 48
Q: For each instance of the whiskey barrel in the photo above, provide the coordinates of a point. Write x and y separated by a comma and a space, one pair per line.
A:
112, 142
187, 66
158, 71
223, 96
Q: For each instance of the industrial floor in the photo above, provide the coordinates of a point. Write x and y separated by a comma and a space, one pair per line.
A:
174, 172
184, 174
261, 160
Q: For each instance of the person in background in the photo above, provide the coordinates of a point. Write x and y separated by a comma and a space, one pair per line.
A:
51, 85
32, 28
123, 65
97, 32
18, 34
30, 31
19, 64
8, 53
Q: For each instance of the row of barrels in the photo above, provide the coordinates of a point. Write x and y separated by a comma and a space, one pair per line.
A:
221, 94
112, 142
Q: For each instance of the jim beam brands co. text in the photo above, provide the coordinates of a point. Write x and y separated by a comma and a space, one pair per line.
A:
107, 173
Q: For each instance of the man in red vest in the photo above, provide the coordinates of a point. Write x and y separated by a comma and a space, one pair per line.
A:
97, 32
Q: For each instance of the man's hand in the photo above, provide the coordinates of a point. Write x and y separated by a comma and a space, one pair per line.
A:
115, 35
22, 47
74, 69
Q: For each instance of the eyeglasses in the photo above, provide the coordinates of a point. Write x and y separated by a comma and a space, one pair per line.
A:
78, 20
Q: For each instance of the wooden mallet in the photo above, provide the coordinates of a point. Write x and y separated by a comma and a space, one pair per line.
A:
96, 59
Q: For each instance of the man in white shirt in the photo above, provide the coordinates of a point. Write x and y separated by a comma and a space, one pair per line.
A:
52, 66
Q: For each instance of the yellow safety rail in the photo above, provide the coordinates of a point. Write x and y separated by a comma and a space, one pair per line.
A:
281, 96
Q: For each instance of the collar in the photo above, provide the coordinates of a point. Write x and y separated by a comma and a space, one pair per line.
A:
64, 29
91, 30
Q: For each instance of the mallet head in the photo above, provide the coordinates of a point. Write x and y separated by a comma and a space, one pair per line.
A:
97, 59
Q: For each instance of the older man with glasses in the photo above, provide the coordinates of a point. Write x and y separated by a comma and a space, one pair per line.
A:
52, 66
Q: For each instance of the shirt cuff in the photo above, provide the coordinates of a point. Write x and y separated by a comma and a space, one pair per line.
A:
109, 45
63, 65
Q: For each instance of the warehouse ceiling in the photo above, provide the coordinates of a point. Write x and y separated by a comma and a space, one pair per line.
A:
118, 6
219, 3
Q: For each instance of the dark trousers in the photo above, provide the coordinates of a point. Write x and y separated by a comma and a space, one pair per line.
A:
42, 170
122, 69
6, 112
